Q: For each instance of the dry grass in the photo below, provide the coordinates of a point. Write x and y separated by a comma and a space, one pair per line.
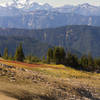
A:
49, 82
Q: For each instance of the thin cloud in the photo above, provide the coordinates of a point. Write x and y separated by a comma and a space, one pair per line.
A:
52, 2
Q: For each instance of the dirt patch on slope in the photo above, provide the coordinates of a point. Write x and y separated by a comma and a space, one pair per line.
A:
5, 97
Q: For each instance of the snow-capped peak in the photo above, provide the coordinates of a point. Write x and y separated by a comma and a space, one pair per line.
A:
46, 5
16, 3
86, 5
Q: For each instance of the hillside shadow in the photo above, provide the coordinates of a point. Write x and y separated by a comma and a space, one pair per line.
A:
86, 93
28, 96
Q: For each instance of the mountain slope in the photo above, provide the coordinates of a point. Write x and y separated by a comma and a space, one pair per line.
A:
47, 19
83, 39
30, 45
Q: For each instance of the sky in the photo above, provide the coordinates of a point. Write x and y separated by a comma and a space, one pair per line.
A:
70, 2
58, 2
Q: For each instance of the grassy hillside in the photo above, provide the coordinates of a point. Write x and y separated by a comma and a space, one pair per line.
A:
22, 81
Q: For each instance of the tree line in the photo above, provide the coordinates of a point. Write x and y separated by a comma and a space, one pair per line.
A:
18, 56
57, 55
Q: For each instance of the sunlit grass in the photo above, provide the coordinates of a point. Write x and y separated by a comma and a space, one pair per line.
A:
55, 70
57, 75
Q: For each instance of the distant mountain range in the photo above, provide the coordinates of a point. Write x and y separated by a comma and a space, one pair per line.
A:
32, 15
82, 9
47, 19
29, 5
77, 38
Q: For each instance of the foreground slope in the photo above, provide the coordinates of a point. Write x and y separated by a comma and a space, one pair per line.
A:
47, 82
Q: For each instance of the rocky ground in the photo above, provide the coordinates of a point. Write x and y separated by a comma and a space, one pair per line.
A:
18, 83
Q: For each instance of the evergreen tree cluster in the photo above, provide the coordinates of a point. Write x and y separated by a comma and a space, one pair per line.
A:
86, 62
5, 56
19, 54
56, 55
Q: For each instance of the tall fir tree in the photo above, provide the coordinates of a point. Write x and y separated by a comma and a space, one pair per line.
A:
59, 55
49, 55
62, 55
0, 55
91, 64
84, 62
97, 63
19, 55
5, 55
56, 55
72, 60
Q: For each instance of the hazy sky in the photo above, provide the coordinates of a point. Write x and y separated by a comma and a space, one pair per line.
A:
59, 2
74, 2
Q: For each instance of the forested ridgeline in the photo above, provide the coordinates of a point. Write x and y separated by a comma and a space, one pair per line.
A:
81, 38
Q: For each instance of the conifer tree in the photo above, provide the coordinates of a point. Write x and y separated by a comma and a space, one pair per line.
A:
56, 55
5, 55
49, 55
91, 65
84, 62
97, 63
19, 55
59, 55
62, 55
72, 60
0, 55
44, 59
